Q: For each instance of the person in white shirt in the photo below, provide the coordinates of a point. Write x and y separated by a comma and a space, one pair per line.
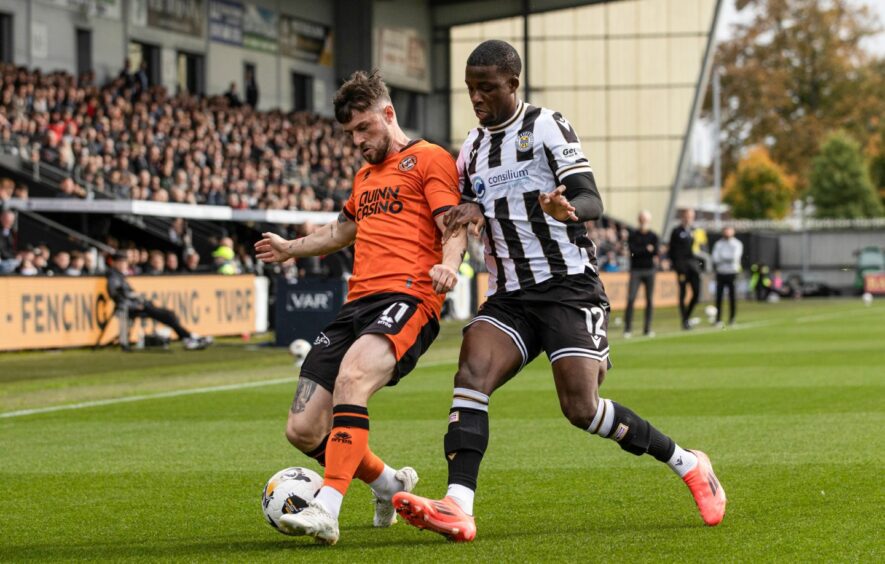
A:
727, 253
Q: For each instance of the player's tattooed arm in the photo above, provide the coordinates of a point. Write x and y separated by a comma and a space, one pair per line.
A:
303, 393
327, 239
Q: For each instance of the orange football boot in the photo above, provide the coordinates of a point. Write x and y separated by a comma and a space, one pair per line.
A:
440, 516
706, 489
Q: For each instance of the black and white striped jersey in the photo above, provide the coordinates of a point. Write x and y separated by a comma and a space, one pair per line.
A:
505, 168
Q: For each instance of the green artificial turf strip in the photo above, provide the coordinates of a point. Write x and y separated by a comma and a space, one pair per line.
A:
790, 410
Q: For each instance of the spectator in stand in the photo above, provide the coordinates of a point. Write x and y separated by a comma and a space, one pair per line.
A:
41, 259
26, 266
92, 265
78, 263
251, 90
224, 261
7, 187
233, 99
156, 263
171, 263
192, 262
141, 78
61, 261
124, 75
643, 245
8, 241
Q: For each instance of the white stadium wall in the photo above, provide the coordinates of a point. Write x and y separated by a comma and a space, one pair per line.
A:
624, 73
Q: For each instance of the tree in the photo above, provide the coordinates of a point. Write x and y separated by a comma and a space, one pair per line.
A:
759, 188
877, 165
794, 72
840, 181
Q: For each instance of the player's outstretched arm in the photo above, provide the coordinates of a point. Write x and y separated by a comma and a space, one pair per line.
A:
445, 274
327, 239
469, 214
577, 200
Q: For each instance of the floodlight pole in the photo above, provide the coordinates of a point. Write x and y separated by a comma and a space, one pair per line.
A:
717, 153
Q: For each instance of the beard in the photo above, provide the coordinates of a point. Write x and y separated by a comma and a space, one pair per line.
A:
379, 153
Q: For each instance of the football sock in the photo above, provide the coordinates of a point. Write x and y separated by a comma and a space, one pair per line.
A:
602, 421
386, 484
331, 499
319, 453
463, 496
632, 433
468, 436
370, 467
682, 462
346, 448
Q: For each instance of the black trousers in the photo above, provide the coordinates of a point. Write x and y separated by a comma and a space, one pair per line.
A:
164, 316
689, 275
725, 282
637, 278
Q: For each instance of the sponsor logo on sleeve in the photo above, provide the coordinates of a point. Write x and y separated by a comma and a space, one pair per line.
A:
479, 187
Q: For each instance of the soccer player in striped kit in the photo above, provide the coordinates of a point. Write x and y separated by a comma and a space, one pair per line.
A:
527, 187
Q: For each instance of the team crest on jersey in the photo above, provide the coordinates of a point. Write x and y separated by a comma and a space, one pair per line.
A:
479, 187
524, 141
408, 163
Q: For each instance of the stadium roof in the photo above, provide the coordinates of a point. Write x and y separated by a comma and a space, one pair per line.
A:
447, 13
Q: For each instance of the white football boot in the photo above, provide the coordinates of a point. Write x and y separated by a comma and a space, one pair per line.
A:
314, 521
385, 514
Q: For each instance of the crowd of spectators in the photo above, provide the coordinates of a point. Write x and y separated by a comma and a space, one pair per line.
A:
30, 258
136, 141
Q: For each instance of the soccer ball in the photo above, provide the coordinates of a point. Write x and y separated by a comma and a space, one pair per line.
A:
299, 349
867, 299
289, 491
711, 311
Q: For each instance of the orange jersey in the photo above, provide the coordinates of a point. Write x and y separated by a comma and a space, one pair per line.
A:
394, 204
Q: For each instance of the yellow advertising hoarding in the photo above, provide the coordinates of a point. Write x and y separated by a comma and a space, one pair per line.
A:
46, 312
616, 287
874, 283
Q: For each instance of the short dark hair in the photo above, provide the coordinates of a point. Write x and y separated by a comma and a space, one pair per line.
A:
496, 53
361, 92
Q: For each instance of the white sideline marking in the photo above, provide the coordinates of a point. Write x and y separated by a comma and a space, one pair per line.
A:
169, 394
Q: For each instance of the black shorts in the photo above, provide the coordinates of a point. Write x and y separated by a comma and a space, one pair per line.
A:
565, 316
409, 324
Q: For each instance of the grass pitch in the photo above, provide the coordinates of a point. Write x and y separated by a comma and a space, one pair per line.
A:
789, 405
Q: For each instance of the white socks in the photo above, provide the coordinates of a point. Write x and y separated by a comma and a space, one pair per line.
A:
682, 462
386, 484
331, 499
463, 496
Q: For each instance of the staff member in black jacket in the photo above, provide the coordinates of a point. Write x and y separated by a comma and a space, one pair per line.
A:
643, 244
686, 265
123, 295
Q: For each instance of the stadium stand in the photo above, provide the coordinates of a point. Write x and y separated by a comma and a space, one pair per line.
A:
123, 141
